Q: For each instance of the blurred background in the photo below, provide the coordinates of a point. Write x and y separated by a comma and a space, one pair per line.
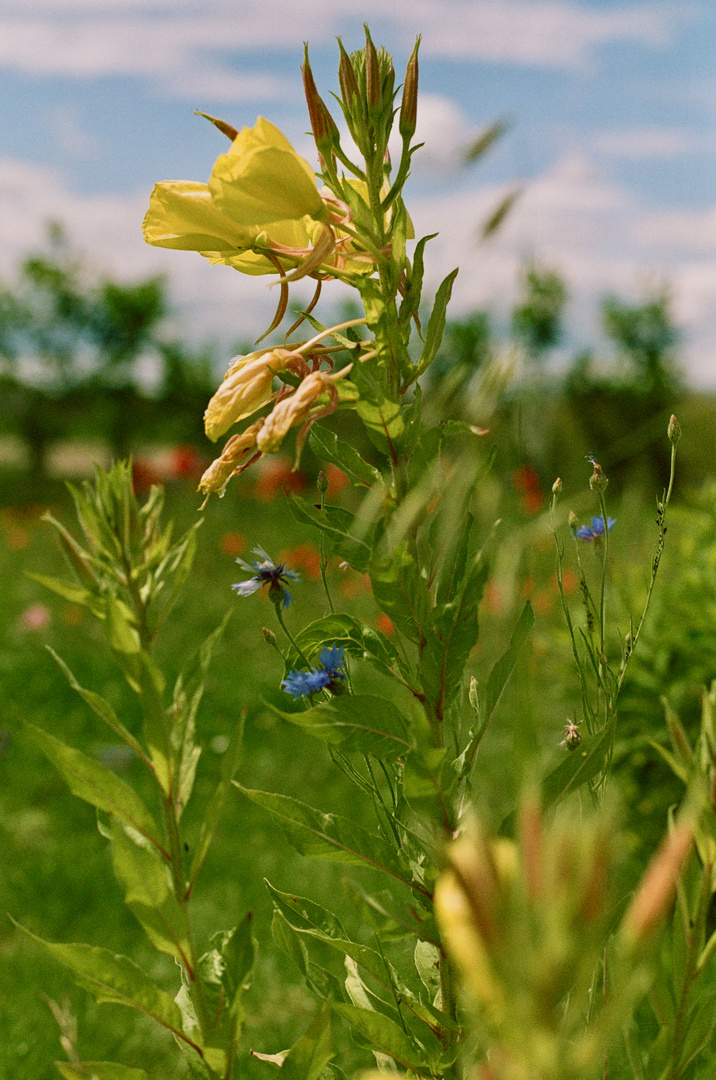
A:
582, 318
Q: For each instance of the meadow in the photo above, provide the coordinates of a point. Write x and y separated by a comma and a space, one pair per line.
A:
56, 876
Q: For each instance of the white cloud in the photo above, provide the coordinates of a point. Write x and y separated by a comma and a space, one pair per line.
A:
571, 217
651, 142
164, 40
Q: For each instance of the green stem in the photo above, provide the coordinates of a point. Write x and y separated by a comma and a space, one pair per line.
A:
289, 635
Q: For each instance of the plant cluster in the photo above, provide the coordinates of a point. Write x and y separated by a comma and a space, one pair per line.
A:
509, 956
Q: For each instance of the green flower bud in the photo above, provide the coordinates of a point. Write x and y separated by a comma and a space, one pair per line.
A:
372, 74
598, 481
409, 104
323, 125
322, 482
557, 486
674, 430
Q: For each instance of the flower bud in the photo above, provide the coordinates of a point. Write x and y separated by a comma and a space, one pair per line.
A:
573, 521
674, 430
322, 482
372, 74
347, 79
409, 104
323, 125
247, 385
269, 637
557, 486
598, 481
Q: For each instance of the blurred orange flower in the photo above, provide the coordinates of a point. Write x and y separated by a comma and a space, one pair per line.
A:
306, 558
277, 475
232, 543
337, 479
384, 623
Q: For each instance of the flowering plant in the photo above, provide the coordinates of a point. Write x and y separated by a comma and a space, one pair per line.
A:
483, 957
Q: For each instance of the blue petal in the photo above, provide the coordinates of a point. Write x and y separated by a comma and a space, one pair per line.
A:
331, 658
585, 533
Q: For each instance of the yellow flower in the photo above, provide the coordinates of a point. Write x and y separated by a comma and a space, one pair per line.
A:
239, 451
262, 179
182, 215
247, 385
292, 410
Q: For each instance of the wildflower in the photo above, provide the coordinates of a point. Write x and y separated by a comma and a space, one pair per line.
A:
266, 572
293, 410
595, 531
325, 677
238, 453
247, 385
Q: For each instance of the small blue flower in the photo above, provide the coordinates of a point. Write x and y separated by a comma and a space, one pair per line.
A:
596, 530
266, 572
304, 683
332, 659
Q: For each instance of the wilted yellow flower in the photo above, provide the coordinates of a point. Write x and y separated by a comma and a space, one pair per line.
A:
246, 387
238, 450
292, 410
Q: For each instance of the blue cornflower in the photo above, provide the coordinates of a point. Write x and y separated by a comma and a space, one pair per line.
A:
266, 572
304, 683
332, 659
596, 530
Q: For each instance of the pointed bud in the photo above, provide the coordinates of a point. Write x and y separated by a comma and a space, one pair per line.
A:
598, 481
347, 79
573, 521
409, 104
557, 486
224, 128
269, 637
322, 482
372, 73
674, 430
323, 125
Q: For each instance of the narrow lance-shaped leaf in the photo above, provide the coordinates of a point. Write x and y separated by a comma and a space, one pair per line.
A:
76, 594
307, 1058
328, 836
385, 1036
362, 722
98, 785
436, 324
102, 708
411, 301
115, 979
328, 447
504, 667
149, 894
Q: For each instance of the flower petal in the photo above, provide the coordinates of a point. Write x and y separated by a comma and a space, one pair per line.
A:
182, 215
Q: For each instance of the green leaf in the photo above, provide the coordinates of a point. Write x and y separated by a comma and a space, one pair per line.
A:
358, 638
121, 634
98, 785
362, 722
328, 447
149, 893
411, 301
335, 523
436, 324
401, 592
237, 948
76, 594
101, 707
455, 633
308, 1057
579, 766
116, 980
308, 918
505, 665
381, 415
385, 1035
327, 836
212, 815
99, 1070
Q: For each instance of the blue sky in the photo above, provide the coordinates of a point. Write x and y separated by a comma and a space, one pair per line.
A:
611, 105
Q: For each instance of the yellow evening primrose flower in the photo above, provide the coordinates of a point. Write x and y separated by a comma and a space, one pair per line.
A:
182, 215
247, 385
263, 180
